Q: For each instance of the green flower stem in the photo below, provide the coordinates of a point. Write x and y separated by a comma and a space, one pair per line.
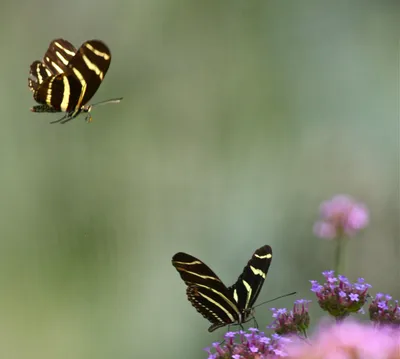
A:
339, 254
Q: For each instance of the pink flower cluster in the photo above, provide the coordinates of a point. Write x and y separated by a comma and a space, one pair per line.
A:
249, 345
338, 296
348, 340
341, 215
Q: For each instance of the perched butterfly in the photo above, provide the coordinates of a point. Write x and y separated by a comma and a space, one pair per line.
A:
67, 78
219, 304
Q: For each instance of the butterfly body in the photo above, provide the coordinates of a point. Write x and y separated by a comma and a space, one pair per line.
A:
219, 304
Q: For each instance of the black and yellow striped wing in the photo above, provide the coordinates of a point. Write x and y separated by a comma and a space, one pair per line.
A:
55, 61
218, 304
249, 284
206, 292
59, 55
79, 80
37, 74
68, 78
89, 66
59, 92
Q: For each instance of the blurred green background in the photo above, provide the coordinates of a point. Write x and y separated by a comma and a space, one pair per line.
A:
238, 119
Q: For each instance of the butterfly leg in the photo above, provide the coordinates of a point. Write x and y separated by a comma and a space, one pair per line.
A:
67, 120
88, 118
255, 322
61, 119
70, 116
229, 329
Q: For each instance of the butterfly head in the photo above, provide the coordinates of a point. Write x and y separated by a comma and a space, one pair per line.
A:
86, 109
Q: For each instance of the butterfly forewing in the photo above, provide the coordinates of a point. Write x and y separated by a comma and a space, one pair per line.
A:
194, 271
206, 292
248, 285
58, 56
89, 66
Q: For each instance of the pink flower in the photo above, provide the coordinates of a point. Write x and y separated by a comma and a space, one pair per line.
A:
341, 215
348, 339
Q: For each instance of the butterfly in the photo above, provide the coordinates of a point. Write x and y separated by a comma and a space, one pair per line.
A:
68, 78
219, 304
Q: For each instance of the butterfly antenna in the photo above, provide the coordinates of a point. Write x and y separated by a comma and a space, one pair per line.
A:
88, 108
271, 300
112, 100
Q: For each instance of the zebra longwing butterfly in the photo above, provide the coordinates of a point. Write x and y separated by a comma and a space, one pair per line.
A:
219, 304
67, 78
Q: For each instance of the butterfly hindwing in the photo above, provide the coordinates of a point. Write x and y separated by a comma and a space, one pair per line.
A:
58, 92
218, 309
37, 74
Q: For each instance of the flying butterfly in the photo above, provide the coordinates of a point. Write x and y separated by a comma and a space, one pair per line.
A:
219, 304
67, 78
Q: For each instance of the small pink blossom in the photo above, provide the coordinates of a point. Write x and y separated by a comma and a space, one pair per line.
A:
325, 230
291, 322
385, 311
341, 215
